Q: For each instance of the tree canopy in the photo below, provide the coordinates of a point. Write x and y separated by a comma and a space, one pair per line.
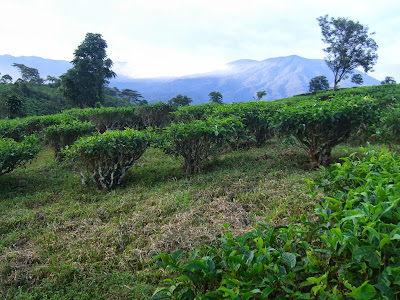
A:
180, 100
261, 94
131, 95
215, 97
349, 47
83, 84
357, 79
318, 83
28, 74
388, 80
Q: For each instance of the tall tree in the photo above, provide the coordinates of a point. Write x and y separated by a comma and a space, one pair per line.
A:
349, 47
318, 83
388, 80
215, 97
357, 79
261, 94
28, 74
6, 78
131, 95
83, 84
180, 100
15, 106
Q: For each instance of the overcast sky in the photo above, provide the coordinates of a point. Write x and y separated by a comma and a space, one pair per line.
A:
179, 37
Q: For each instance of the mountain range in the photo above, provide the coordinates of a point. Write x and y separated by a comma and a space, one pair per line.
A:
280, 77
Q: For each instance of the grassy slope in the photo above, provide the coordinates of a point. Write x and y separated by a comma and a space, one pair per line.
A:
62, 239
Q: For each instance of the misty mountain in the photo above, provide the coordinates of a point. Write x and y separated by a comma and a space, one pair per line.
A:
281, 77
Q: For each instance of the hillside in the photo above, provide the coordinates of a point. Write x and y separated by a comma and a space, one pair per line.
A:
281, 77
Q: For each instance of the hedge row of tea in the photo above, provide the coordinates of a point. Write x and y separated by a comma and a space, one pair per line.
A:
198, 132
352, 251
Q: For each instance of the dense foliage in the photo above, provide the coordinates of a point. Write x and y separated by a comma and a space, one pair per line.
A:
351, 252
14, 154
103, 159
83, 84
349, 46
65, 134
196, 141
318, 126
318, 83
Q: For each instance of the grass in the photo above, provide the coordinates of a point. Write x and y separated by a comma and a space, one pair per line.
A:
63, 240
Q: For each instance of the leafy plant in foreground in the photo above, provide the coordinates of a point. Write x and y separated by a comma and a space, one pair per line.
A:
351, 252
103, 159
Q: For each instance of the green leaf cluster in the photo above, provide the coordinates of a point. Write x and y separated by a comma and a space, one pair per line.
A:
351, 252
14, 154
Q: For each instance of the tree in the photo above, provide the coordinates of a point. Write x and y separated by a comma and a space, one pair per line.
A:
53, 82
318, 83
261, 94
215, 97
6, 79
14, 106
83, 84
349, 47
357, 79
180, 100
131, 95
28, 74
388, 80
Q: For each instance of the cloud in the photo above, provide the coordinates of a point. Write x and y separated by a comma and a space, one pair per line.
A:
177, 36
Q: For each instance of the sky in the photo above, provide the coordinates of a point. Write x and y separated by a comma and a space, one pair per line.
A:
156, 38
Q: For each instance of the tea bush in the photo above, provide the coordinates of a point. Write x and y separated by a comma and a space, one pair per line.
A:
351, 252
189, 113
14, 154
196, 141
155, 115
65, 134
389, 127
256, 116
318, 126
115, 118
103, 159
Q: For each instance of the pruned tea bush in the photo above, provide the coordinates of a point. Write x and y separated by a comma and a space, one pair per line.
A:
155, 115
318, 126
14, 154
196, 141
65, 134
111, 118
103, 159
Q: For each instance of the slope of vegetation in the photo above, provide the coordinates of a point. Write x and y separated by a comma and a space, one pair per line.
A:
61, 239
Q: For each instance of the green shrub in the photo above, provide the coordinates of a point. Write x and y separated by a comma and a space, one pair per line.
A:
196, 141
256, 116
352, 252
389, 127
103, 159
156, 115
318, 126
65, 134
14, 154
189, 113
114, 118
17, 129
